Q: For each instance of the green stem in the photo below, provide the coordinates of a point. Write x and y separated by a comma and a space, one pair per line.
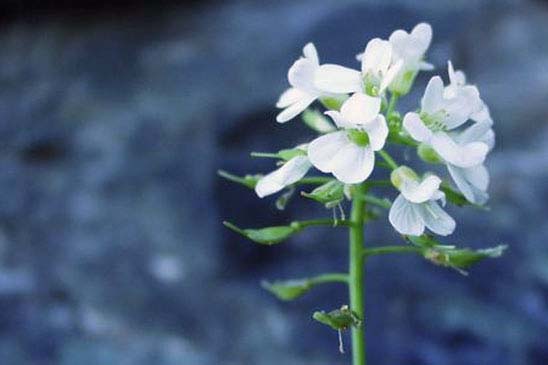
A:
356, 273
390, 249
314, 180
392, 103
388, 159
321, 222
329, 278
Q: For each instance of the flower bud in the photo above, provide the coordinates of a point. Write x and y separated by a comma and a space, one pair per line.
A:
402, 173
317, 121
403, 82
339, 319
330, 194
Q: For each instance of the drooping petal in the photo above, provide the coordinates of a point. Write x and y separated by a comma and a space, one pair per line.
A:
337, 79
291, 172
360, 108
377, 130
310, 53
301, 75
353, 164
290, 96
436, 219
471, 182
376, 57
322, 150
413, 124
421, 192
466, 155
404, 217
295, 109
432, 100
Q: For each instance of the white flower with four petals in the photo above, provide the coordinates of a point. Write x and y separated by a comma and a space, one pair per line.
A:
349, 153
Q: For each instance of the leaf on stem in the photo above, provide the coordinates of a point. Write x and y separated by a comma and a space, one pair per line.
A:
288, 290
265, 236
338, 319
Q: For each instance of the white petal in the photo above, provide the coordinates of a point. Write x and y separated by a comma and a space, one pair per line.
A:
353, 164
360, 108
390, 75
423, 36
425, 66
482, 115
471, 182
466, 155
477, 132
459, 108
377, 130
310, 52
291, 172
421, 192
413, 125
436, 219
290, 96
322, 150
377, 57
432, 101
338, 119
404, 217
301, 75
338, 79
295, 109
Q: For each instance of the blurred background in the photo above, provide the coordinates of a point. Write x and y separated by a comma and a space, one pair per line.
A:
114, 117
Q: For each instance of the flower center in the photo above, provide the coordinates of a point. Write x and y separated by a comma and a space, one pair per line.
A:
434, 122
371, 84
358, 137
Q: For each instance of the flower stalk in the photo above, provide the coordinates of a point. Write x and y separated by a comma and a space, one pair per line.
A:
356, 273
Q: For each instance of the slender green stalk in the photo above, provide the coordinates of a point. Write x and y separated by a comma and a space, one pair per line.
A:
388, 159
321, 222
390, 249
356, 273
392, 103
330, 278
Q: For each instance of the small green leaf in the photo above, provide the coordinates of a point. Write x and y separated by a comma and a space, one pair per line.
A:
288, 290
317, 121
330, 194
461, 258
248, 181
339, 319
265, 236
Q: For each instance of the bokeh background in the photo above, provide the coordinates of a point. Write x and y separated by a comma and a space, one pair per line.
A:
114, 117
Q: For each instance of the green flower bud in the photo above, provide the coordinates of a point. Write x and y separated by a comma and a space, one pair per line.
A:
266, 236
403, 83
402, 173
333, 102
427, 154
330, 193
358, 137
339, 319
288, 290
317, 121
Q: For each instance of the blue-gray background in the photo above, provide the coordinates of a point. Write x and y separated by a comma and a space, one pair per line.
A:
113, 121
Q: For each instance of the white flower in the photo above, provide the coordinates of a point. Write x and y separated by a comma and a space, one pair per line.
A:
441, 113
377, 72
473, 181
416, 208
290, 172
409, 48
349, 153
457, 80
302, 92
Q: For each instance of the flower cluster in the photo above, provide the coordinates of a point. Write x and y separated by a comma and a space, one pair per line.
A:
452, 127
